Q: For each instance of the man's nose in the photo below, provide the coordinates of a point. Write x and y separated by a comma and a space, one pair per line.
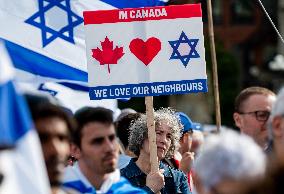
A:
110, 145
161, 138
55, 146
264, 124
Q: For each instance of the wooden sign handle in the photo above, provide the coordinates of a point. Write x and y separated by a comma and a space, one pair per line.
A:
151, 133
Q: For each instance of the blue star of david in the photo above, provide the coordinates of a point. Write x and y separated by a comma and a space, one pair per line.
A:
48, 34
44, 89
192, 43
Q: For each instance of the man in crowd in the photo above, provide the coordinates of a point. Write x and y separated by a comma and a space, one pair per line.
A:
54, 127
184, 155
252, 110
197, 141
96, 149
186, 141
138, 171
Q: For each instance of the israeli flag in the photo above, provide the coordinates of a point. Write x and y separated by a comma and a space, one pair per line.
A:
46, 40
22, 165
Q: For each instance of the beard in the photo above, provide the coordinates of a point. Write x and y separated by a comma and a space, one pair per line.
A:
55, 169
109, 162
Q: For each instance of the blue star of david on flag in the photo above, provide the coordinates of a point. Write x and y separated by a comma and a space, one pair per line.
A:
192, 53
55, 12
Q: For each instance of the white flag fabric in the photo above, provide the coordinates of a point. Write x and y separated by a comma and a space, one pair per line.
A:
22, 165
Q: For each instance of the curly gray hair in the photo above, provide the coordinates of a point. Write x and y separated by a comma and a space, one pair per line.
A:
139, 130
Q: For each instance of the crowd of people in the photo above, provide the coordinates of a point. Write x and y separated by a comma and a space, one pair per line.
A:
90, 151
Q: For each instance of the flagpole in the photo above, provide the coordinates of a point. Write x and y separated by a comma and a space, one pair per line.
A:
214, 65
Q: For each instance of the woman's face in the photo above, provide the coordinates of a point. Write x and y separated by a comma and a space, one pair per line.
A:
163, 140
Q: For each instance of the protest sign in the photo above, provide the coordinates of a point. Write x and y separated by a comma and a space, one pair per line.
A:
145, 51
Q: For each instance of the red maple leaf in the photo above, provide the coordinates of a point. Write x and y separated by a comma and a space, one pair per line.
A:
107, 55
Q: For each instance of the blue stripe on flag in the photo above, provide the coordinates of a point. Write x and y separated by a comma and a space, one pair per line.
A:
133, 3
15, 119
38, 64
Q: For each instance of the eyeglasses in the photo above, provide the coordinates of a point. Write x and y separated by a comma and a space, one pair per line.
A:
260, 115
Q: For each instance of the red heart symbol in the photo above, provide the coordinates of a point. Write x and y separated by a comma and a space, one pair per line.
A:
145, 51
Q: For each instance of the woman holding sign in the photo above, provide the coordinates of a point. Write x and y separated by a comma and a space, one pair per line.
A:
138, 171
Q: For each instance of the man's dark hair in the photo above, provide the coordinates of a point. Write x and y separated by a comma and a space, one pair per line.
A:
248, 92
48, 110
123, 125
90, 114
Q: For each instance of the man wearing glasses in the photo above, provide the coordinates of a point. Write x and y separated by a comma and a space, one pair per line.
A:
252, 110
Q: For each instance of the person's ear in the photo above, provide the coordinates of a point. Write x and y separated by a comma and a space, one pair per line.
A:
187, 139
237, 119
277, 127
184, 138
75, 151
